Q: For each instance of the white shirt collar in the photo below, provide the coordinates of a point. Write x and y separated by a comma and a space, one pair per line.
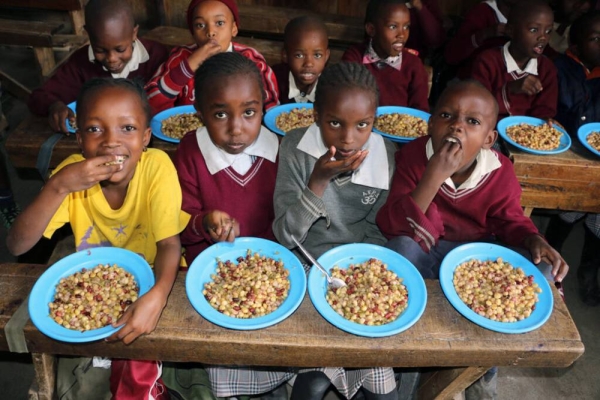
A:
511, 65
230, 48
373, 172
487, 161
139, 55
296, 94
494, 6
266, 146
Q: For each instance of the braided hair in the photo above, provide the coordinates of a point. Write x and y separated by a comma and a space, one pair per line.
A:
345, 75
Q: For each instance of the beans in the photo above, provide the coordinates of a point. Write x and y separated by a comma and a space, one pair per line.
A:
92, 299
178, 125
496, 290
543, 137
374, 295
256, 286
403, 125
296, 118
593, 140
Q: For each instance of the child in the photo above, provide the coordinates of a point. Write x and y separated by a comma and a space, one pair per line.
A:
400, 75
114, 51
116, 193
213, 23
426, 26
335, 178
578, 104
305, 53
518, 75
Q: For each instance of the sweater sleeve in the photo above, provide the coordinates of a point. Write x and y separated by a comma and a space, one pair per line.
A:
544, 104
463, 44
430, 22
418, 88
486, 71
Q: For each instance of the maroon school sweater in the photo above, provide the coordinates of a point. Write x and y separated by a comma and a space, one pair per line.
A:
407, 87
248, 198
489, 68
65, 84
491, 208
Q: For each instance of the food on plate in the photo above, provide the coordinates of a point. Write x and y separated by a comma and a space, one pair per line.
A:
403, 125
257, 285
542, 137
496, 290
295, 118
91, 299
178, 125
373, 294
72, 123
593, 140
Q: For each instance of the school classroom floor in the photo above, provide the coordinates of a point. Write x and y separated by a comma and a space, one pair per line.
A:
580, 381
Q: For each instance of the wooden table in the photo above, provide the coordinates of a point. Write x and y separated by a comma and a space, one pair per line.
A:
441, 338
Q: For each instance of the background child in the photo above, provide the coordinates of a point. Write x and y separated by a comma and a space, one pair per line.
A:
517, 74
134, 203
114, 51
400, 75
213, 24
335, 177
426, 26
305, 53
565, 12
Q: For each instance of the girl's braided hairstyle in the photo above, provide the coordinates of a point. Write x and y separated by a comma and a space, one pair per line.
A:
345, 75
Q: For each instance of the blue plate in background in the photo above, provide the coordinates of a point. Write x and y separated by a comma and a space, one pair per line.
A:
489, 251
274, 112
156, 122
356, 253
73, 107
205, 265
584, 131
400, 110
44, 289
503, 124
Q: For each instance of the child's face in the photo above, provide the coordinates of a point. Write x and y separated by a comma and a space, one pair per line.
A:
465, 116
231, 109
213, 20
530, 34
589, 50
346, 119
390, 31
113, 122
112, 43
306, 54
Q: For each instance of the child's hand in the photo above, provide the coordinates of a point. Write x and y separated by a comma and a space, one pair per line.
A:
444, 162
328, 167
57, 116
417, 4
552, 121
541, 250
529, 85
85, 174
203, 53
220, 226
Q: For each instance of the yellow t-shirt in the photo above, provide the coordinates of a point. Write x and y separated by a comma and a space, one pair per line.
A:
151, 210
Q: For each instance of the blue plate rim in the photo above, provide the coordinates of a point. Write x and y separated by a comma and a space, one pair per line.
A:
155, 122
417, 290
273, 112
584, 131
73, 106
518, 119
381, 110
539, 316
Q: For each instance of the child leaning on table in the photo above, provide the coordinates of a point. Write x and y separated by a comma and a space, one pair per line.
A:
114, 51
213, 23
332, 179
116, 193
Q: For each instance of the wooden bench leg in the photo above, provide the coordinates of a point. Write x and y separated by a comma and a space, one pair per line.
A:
44, 366
45, 59
78, 21
527, 211
445, 384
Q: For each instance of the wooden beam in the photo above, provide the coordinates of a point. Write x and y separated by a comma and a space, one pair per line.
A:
62, 5
44, 366
27, 33
445, 384
13, 87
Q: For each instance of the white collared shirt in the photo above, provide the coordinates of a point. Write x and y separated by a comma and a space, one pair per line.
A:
374, 170
511, 64
296, 94
486, 162
265, 146
494, 6
139, 55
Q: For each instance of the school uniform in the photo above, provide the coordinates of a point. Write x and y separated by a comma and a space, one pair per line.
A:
288, 91
402, 80
426, 28
495, 68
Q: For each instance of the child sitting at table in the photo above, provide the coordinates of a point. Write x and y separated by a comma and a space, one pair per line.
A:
114, 51
522, 80
335, 177
213, 23
305, 53
116, 193
400, 74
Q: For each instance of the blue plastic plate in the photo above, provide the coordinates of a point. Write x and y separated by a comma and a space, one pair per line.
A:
271, 115
489, 251
205, 265
399, 110
73, 107
156, 122
355, 253
503, 124
584, 131
43, 290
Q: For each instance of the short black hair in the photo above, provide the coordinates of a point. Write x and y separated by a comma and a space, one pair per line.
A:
524, 9
581, 27
95, 84
223, 65
302, 24
345, 75
374, 8
464, 85
100, 11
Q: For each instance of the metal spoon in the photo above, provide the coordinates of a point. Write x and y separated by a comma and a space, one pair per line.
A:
332, 282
